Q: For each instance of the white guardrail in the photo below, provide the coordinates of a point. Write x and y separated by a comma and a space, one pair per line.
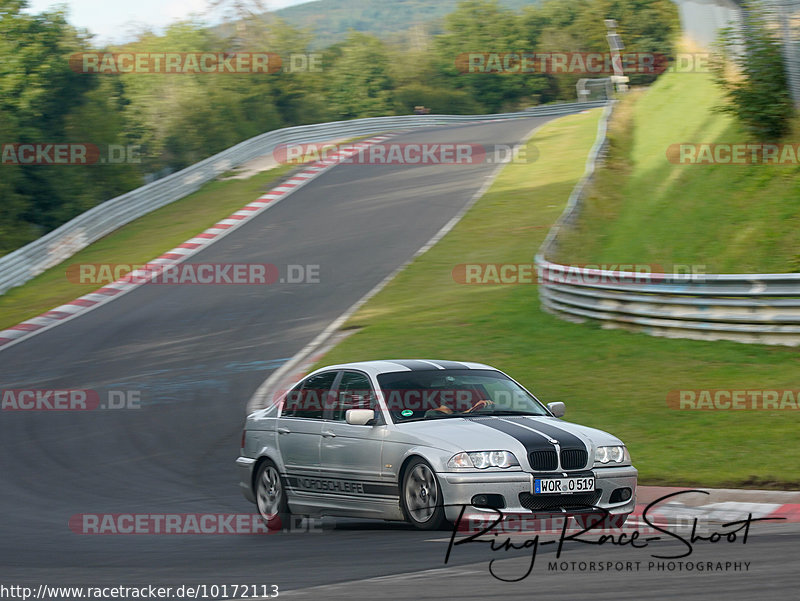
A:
754, 307
18, 267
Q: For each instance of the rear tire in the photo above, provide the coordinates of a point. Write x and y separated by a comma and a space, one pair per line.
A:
270, 495
421, 496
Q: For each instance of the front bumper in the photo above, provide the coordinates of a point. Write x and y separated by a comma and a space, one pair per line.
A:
458, 489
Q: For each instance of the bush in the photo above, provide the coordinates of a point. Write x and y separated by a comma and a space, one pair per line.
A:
749, 68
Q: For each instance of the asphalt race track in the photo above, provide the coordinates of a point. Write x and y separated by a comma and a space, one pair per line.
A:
196, 354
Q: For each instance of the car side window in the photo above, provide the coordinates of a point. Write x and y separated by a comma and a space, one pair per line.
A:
309, 399
291, 402
354, 392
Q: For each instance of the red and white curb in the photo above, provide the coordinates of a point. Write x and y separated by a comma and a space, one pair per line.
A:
674, 513
676, 517
180, 253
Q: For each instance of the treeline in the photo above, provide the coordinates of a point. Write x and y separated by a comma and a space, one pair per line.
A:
174, 120
332, 20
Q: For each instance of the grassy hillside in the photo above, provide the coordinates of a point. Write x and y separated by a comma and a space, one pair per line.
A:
610, 379
332, 19
645, 209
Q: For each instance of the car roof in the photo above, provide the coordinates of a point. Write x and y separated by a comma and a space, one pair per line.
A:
395, 365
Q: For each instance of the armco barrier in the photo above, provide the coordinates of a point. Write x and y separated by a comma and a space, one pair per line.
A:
18, 267
754, 308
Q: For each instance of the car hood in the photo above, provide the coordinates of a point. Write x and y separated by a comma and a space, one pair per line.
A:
520, 435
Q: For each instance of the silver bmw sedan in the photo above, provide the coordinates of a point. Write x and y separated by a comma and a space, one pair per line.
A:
423, 441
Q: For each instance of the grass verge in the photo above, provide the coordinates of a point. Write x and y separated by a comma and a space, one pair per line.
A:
644, 209
611, 379
138, 242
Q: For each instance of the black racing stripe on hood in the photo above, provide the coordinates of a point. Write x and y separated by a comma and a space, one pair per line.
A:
414, 365
530, 440
449, 364
565, 439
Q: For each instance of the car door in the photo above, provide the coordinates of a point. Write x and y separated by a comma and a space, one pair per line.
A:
299, 428
350, 455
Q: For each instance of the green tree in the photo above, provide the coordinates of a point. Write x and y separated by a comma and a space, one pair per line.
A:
440, 101
43, 101
646, 27
358, 83
485, 27
749, 68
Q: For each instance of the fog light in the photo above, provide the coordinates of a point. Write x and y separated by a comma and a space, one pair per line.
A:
491, 500
620, 495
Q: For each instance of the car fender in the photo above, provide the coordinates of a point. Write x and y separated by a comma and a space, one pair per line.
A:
436, 458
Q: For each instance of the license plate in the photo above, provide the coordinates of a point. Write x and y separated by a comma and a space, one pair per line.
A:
563, 485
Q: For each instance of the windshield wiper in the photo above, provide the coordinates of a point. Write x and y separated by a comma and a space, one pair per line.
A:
446, 415
511, 412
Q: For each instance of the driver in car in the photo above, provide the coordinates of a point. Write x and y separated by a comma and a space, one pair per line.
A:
445, 409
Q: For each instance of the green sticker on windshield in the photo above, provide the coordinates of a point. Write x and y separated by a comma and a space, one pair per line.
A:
406, 413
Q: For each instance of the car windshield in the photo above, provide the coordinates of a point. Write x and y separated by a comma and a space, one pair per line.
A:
440, 394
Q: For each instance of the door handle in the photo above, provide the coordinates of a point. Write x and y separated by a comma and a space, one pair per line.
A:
284, 430
328, 434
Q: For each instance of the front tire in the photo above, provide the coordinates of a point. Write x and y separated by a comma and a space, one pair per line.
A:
271, 497
421, 496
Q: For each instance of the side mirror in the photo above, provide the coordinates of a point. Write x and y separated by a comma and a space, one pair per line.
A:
558, 408
359, 417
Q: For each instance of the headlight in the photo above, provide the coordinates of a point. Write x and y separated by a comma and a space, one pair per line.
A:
616, 454
483, 459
